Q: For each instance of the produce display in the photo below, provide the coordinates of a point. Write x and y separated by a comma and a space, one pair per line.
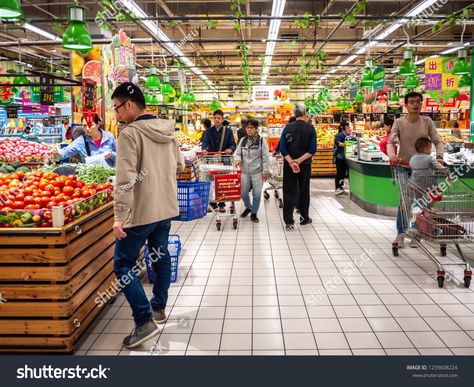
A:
325, 137
89, 174
27, 199
12, 167
449, 138
183, 139
23, 151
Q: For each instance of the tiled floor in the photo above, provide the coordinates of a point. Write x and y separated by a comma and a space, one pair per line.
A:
330, 288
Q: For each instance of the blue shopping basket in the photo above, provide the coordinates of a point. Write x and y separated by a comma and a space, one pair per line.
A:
193, 199
174, 248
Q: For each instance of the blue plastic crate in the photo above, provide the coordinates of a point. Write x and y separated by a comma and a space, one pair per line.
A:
174, 248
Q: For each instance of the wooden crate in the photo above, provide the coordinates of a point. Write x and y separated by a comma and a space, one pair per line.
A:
322, 165
51, 279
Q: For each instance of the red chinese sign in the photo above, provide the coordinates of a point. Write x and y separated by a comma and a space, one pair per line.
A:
89, 100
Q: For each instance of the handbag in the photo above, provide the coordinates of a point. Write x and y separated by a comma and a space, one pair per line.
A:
437, 227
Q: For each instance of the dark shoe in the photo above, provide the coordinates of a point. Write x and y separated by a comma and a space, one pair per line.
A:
245, 213
254, 218
289, 227
141, 334
222, 209
306, 221
160, 316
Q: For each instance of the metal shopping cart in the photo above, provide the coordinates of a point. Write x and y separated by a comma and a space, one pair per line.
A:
225, 178
440, 210
276, 179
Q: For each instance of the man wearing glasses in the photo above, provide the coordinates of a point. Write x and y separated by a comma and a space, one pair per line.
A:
145, 201
405, 131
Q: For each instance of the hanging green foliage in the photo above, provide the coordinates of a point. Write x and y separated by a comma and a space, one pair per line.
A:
451, 20
349, 15
307, 20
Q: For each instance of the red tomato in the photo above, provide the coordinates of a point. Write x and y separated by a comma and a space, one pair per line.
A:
20, 197
92, 192
70, 183
34, 187
47, 193
9, 203
28, 190
85, 193
68, 190
32, 207
57, 192
59, 183
29, 200
50, 205
44, 201
76, 195
79, 184
72, 177
37, 193
58, 199
49, 187
37, 200
18, 205
20, 174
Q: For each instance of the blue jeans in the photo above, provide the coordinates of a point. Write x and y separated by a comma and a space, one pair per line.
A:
126, 269
256, 182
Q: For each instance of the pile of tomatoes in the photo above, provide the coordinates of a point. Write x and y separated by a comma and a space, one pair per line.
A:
38, 190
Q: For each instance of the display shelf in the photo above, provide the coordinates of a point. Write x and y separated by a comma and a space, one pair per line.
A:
51, 278
323, 165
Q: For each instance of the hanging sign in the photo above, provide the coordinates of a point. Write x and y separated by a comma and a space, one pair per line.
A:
270, 95
12, 111
58, 94
440, 82
46, 90
89, 100
7, 95
379, 78
353, 91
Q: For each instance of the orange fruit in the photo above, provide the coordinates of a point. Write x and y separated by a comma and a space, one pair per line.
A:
94, 53
77, 63
92, 70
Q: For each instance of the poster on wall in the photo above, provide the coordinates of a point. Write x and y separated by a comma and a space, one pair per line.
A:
119, 60
440, 82
270, 95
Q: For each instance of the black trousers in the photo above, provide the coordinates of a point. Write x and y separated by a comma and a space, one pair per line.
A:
296, 189
341, 172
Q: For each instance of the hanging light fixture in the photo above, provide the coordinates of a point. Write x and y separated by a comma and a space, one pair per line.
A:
411, 82
20, 79
10, 8
166, 88
461, 67
76, 36
152, 81
367, 79
394, 97
359, 97
407, 68
464, 81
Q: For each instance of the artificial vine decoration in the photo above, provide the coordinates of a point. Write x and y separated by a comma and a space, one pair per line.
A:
110, 9
237, 12
306, 65
244, 51
451, 20
350, 15
307, 21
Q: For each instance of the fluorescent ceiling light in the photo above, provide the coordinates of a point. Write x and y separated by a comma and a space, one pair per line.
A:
44, 33
454, 49
153, 28
278, 7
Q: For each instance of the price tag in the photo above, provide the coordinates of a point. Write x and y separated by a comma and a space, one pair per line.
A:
46, 90
12, 111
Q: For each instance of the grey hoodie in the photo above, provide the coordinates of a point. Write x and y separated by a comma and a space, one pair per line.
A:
253, 155
148, 158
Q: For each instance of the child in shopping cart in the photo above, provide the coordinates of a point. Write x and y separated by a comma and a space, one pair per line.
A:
423, 166
253, 158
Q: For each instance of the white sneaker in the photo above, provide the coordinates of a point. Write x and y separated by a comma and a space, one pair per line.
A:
414, 243
399, 240
339, 191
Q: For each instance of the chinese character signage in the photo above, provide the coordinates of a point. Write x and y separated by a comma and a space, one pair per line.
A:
270, 95
89, 100
379, 78
46, 90
440, 82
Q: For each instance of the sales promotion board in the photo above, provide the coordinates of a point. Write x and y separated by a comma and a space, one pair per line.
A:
440, 82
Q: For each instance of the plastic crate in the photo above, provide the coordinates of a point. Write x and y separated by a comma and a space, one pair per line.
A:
193, 200
174, 248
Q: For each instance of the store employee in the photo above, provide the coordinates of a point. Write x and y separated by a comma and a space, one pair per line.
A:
95, 141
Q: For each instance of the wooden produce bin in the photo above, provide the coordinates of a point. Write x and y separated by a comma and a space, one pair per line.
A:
322, 165
50, 279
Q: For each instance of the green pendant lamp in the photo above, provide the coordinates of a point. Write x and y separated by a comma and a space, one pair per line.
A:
166, 88
464, 81
147, 97
20, 79
10, 8
367, 79
154, 100
407, 68
214, 105
411, 82
152, 82
461, 67
359, 97
394, 97
76, 36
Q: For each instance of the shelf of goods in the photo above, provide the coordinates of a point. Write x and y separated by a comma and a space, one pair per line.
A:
323, 165
54, 263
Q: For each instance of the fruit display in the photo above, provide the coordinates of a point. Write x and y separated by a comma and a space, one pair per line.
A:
27, 199
184, 139
23, 151
449, 138
325, 137
13, 167
281, 95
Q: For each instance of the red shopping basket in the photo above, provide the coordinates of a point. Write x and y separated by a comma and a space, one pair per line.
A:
227, 185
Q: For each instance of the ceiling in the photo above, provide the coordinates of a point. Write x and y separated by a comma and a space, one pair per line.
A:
213, 37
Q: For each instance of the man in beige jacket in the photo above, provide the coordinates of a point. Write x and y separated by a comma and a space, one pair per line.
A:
145, 201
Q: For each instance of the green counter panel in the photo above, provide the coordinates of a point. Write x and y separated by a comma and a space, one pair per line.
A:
374, 189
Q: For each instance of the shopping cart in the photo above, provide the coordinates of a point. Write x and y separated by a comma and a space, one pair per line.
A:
225, 177
276, 179
440, 210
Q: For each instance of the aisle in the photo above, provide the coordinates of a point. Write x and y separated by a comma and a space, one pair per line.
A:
259, 291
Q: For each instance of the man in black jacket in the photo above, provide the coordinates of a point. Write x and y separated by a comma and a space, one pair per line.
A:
297, 145
242, 132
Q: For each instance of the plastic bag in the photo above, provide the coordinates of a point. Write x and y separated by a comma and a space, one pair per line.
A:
97, 159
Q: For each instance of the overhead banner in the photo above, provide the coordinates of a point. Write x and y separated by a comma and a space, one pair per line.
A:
440, 82
379, 78
270, 95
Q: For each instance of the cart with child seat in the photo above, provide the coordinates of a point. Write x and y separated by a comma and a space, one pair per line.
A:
222, 172
276, 179
438, 209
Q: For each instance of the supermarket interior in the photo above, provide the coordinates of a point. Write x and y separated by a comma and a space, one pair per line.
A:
323, 199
